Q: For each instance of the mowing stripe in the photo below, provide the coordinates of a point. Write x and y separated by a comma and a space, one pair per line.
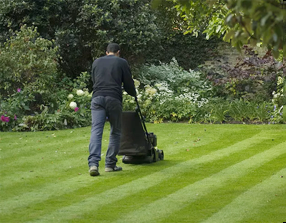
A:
251, 201
24, 144
36, 196
39, 168
161, 208
75, 162
97, 201
20, 157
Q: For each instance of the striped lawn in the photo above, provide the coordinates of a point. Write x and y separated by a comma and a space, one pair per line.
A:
211, 173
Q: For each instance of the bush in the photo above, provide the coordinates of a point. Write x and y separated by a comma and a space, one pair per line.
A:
219, 110
253, 78
27, 61
168, 92
178, 80
70, 108
82, 29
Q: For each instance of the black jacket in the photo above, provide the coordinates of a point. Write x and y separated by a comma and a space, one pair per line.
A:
108, 74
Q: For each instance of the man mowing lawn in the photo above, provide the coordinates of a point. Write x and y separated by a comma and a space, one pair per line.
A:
108, 74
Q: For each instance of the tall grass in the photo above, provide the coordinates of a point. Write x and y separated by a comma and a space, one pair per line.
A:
211, 173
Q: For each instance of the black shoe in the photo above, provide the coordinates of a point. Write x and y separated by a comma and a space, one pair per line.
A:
93, 171
111, 169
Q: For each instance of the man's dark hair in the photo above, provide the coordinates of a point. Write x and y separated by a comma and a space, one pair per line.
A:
112, 48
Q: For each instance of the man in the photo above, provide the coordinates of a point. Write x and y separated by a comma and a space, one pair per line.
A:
108, 74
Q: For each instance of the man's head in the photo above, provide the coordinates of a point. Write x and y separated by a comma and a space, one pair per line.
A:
113, 49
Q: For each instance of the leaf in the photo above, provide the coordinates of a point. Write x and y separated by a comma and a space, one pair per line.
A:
228, 35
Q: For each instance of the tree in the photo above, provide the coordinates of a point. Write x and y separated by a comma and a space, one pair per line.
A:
82, 29
238, 21
189, 51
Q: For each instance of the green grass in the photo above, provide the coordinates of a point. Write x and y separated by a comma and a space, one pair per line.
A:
211, 173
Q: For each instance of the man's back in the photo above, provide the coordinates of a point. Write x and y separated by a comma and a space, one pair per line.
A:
108, 74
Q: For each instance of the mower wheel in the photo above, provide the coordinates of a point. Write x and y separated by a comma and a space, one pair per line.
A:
161, 155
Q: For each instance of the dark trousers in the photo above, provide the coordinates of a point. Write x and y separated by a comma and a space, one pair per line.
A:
102, 107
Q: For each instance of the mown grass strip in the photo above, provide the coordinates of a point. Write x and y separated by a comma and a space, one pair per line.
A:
97, 201
196, 173
50, 165
249, 203
162, 208
188, 148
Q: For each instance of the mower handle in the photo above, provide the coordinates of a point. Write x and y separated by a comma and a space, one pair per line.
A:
142, 119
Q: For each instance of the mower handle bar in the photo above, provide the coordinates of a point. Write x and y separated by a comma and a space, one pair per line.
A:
142, 119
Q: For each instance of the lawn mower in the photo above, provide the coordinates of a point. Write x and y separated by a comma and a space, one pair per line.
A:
137, 145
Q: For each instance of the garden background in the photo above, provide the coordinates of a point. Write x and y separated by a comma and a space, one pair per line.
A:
185, 69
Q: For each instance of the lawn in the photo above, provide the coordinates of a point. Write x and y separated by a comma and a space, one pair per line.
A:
211, 173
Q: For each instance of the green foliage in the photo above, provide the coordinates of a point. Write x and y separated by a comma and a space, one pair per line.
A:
82, 29
279, 98
28, 73
27, 61
178, 79
252, 78
218, 110
189, 51
255, 21
241, 21
277, 115
168, 92
15, 107
214, 111
25, 114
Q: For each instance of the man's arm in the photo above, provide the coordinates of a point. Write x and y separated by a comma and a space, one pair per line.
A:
128, 82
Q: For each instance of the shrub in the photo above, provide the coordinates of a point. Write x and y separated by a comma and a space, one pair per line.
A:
55, 114
168, 92
252, 78
179, 80
219, 110
27, 61
82, 29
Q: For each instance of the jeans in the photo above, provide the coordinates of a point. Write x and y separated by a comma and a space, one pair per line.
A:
102, 107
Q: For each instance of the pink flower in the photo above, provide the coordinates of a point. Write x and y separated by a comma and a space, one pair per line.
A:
15, 117
19, 89
5, 119
76, 109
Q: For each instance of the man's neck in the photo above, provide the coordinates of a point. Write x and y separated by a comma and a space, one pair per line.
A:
112, 54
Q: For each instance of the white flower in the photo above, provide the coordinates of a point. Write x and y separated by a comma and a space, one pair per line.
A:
80, 92
136, 83
73, 105
70, 96
153, 91
150, 91
280, 80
